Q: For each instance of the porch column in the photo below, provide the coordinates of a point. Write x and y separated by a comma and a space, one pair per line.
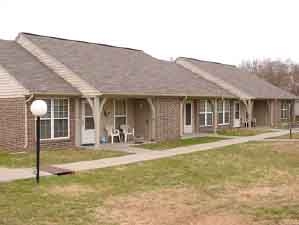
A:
97, 119
215, 116
153, 117
249, 109
77, 123
271, 112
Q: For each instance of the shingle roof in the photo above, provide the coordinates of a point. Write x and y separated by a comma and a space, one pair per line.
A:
115, 70
242, 80
30, 73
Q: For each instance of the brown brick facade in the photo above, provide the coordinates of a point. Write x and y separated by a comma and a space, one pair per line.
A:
167, 118
12, 123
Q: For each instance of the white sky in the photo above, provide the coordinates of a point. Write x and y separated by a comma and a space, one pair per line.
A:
226, 31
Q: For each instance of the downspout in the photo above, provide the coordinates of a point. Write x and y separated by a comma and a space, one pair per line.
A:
26, 120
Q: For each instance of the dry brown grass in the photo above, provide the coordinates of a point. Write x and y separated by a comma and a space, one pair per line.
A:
74, 190
292, 147
190, 206
168, 207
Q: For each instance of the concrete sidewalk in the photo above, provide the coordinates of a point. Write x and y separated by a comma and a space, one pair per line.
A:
7, 174
15, 174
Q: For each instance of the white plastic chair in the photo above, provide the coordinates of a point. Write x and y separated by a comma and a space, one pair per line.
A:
127, 131
112, 132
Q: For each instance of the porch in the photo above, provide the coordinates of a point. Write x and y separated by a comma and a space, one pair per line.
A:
102, 119
209, 115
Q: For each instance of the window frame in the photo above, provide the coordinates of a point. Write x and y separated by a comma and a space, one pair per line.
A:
224, 110
282, 109
52, 119
88, 117
205, 113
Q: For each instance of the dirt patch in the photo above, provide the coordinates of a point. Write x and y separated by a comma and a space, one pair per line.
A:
166, 207
74, 190
285, 147
264, 194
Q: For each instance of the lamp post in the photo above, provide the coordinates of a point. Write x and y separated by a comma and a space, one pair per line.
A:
38, 109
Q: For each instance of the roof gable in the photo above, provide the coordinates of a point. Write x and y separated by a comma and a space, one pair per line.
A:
246, 83
29, 73
116, 70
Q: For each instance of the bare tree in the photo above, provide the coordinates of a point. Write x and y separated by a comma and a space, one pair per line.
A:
284, 74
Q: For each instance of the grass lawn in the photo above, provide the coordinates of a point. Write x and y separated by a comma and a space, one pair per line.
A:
179, 143
253, 183
243, 131
48, 157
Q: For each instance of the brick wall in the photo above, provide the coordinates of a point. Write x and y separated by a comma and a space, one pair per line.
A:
12, 124
62, 143
167, 118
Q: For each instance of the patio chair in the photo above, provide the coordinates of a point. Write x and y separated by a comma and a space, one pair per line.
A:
127, 131
112, 132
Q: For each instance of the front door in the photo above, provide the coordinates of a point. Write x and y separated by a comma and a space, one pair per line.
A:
142, 111
88, 127
237, 121
188, 108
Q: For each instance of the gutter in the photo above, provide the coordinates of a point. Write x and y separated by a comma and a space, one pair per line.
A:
26, 120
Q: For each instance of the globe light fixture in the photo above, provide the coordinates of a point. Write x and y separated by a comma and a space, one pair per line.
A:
38, 109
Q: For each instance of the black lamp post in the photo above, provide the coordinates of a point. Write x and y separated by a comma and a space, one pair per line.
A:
38, 109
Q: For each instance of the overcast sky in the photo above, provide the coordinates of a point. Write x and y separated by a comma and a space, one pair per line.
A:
224, 31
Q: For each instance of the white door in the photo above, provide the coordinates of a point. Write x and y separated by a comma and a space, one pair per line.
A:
188, 117
88, 128
237, 121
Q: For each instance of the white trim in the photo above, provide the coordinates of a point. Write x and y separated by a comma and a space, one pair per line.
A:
223, 113
52, 119
282, 109
59, 68
212, 78
188, 128
236, 121
205, 113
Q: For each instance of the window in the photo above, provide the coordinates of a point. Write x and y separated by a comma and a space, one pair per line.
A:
237, 110
223, 108
45, 122
284, 110
89, 120
120, 113
205, 113
55, 124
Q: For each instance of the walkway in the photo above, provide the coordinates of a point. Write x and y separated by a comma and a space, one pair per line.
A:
140, 156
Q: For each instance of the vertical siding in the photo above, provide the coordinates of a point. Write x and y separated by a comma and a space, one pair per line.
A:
9, 87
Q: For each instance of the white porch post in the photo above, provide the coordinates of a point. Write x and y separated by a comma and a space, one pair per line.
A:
249, 109
271, 112
153, 117
97, 119
77, 123
215, 116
